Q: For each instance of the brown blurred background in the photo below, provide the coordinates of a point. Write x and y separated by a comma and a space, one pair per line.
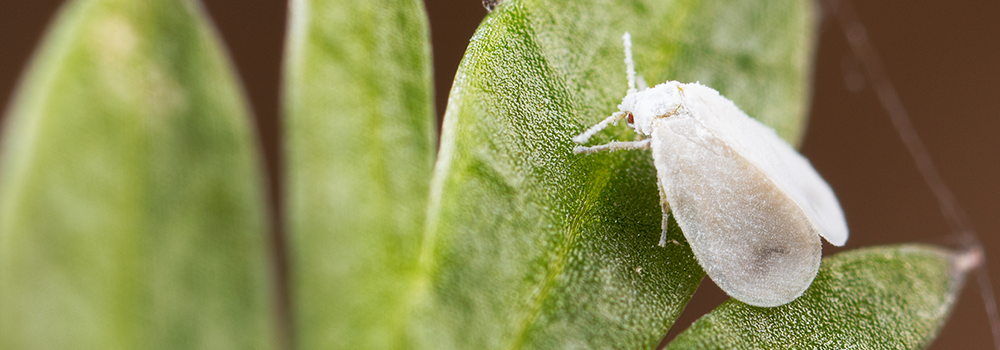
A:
942, 56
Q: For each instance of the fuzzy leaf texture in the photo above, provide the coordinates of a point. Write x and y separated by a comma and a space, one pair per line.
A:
360, 150
895, 297
131, 205
529, 246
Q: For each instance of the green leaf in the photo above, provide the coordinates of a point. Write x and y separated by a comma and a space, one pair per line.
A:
531, 246
360, 146
131, 212
873, 298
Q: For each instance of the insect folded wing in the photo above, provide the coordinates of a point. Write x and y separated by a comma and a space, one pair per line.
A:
752, 240
760, 145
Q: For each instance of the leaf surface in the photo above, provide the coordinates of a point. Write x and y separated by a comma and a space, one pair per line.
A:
131, 209
360, 150
895, 297
531, 246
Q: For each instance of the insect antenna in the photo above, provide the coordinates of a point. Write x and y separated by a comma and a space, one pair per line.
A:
629, 64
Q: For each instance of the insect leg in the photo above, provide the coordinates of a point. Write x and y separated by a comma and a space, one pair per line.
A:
663, 234
666, 212
614, 118
614, 146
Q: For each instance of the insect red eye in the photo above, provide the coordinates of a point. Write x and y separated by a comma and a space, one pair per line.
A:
630, 119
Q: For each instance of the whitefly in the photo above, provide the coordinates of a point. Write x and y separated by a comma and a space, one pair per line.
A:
751, 207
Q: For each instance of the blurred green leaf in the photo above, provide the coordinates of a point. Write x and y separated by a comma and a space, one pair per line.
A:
360, 150
873, 298
131, 210
531, 246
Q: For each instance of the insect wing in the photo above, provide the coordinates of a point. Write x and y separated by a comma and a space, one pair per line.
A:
813, 193
761, 146
751, 238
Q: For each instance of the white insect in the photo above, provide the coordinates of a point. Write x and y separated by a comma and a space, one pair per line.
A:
751, 207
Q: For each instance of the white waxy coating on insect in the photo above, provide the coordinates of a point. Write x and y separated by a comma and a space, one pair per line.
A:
750, 206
